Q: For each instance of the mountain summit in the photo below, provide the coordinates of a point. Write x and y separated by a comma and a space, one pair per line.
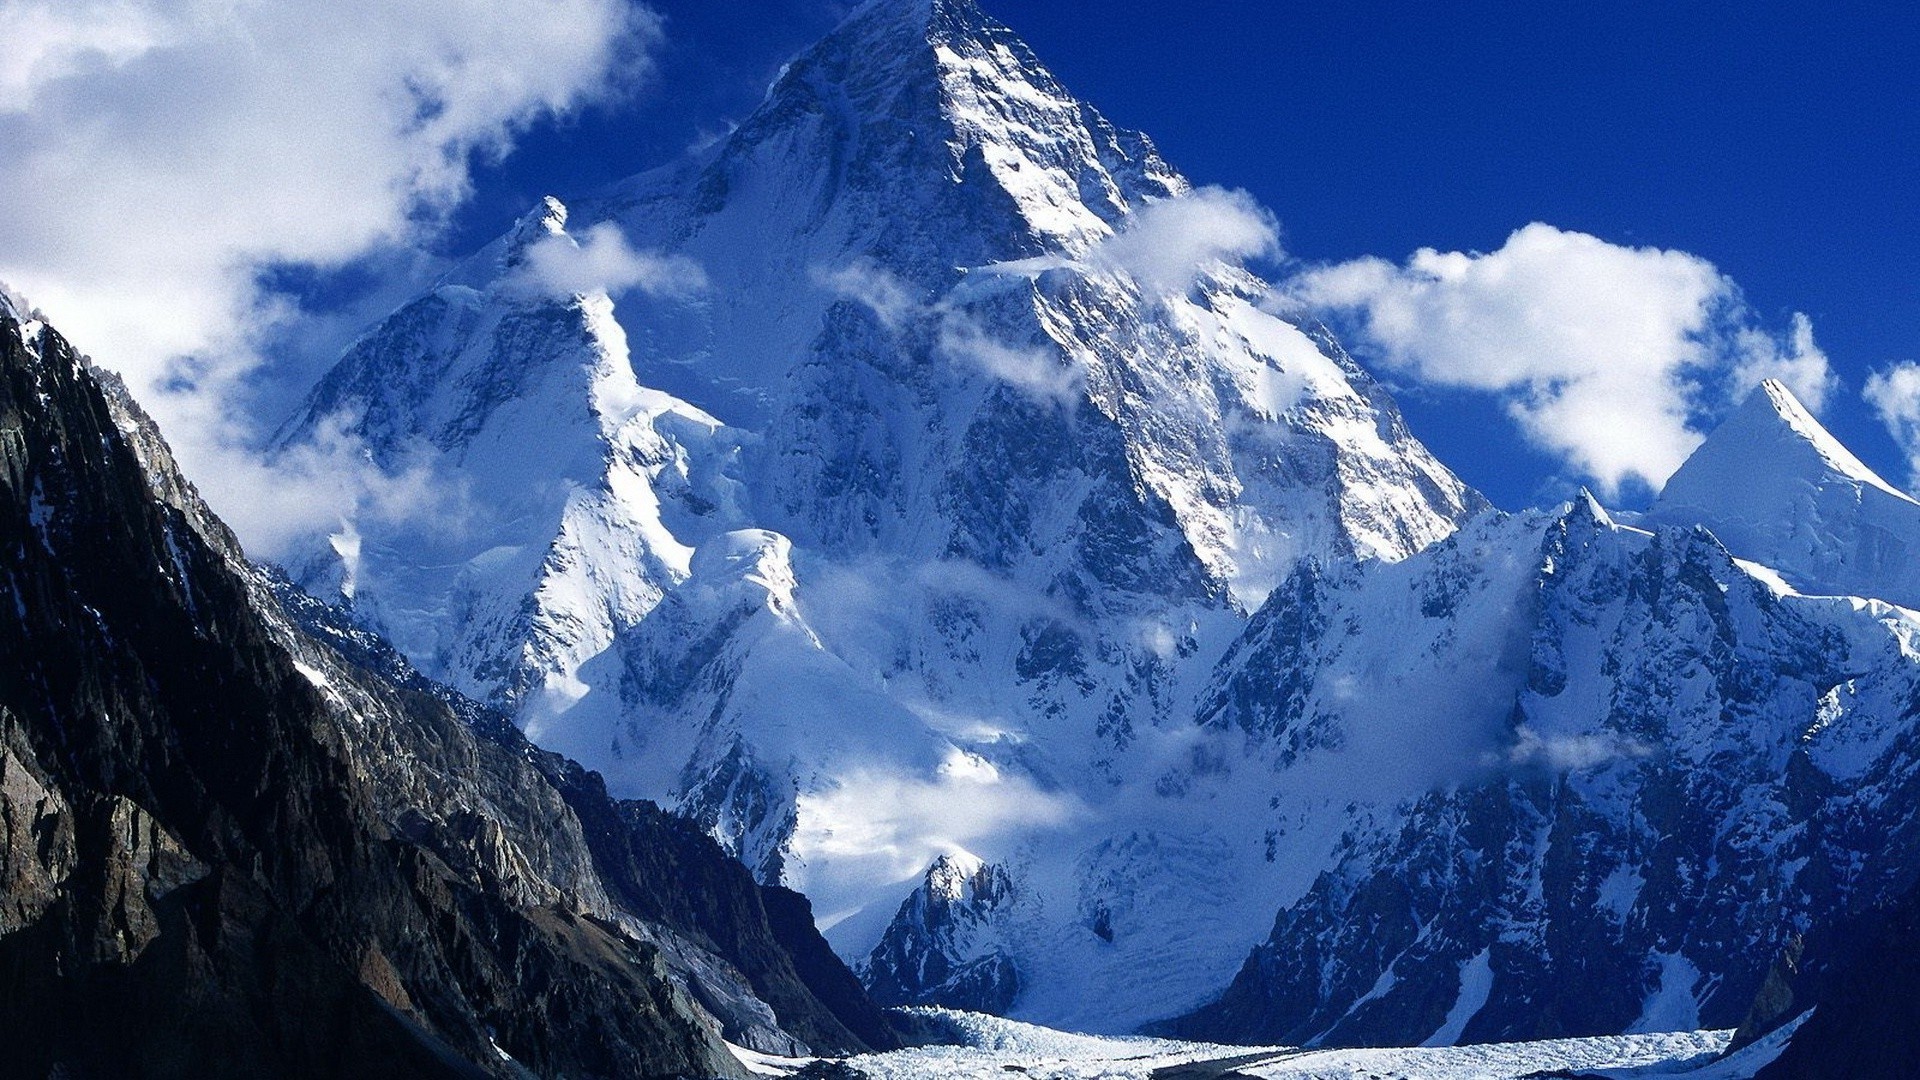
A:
1777, 488
949, 467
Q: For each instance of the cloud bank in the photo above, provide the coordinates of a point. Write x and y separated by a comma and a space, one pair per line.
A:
157, 157
1606, 356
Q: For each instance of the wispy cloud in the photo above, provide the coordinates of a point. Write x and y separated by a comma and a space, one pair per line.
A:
1166, 246
602, 261
1605, 355
1895, 396
1561, 753
960, 334
897, 823
323, 485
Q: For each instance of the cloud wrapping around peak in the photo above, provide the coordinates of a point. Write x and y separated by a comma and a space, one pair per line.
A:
1166, 246
159, 158
602, 261
1605, 355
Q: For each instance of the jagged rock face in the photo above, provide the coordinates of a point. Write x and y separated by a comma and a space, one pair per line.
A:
1628, 770
942, 948
974, 501
230, 850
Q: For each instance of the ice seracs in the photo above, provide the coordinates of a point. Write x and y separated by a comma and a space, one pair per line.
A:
1777, 488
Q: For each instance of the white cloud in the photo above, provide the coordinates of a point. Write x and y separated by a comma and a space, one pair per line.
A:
886, 826
601, 261
1164, 247
1167, 245
1605, 355
1562, 753
872, 285
1036, 372
157, 155
1795, 359
321, 486
1895, 397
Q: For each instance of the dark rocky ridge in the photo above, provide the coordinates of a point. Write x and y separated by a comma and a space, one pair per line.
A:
227, 850
1860, 977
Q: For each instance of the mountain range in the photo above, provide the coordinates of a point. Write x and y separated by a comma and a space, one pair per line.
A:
942, 520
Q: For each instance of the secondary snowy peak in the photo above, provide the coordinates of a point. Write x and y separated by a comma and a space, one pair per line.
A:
1772, 434
1777, 488
1555, 775
573, 495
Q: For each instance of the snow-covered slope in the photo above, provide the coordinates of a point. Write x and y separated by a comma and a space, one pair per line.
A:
941, 485
569, 494
1778, 489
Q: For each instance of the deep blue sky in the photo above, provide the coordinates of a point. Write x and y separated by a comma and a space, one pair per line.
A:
1780, 142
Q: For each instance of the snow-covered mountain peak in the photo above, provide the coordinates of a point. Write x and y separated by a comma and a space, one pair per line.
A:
11, 306
1777, 488
1773, 435
1587, 510
954, 875
969, 451
547, 218
756, 559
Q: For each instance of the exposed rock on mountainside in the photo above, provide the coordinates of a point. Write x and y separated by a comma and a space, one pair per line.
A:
1862, 983
228, 849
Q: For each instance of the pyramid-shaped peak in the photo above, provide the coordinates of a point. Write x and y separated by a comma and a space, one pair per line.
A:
1586, 509
547, 218
1778, 489
1773, 431
885, 43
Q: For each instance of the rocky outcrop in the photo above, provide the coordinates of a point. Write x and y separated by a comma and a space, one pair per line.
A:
229, 848
1861, 980
946, 946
